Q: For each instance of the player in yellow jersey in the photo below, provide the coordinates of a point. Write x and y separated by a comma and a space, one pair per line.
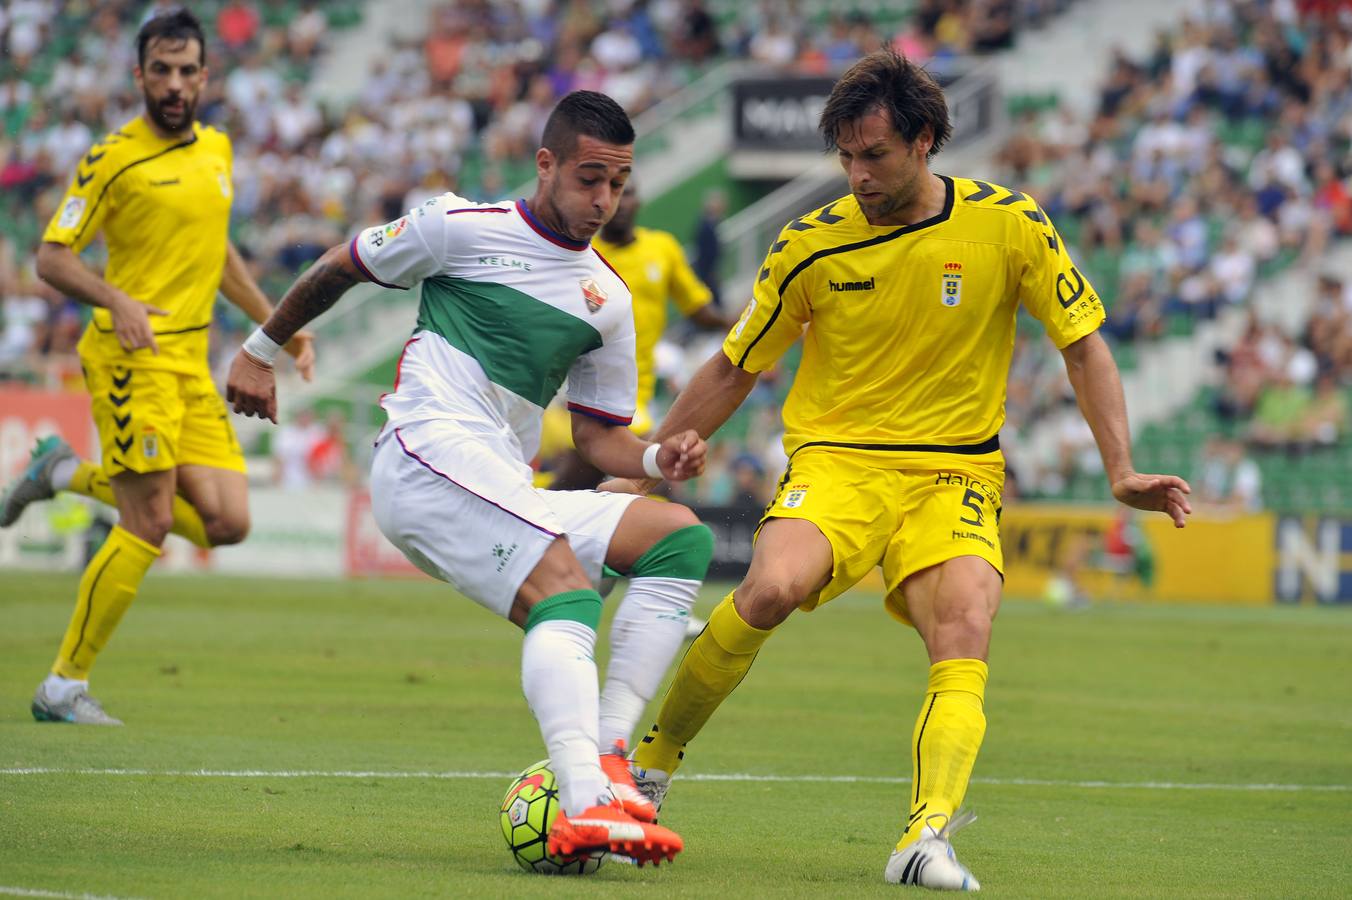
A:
159, 189
653, 264
904, 293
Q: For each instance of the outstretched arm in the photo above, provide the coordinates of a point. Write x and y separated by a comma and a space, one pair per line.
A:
252, 387
1098, 389
713, 394
239, 288
617, 450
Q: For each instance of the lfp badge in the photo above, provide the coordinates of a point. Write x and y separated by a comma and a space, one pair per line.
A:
952, 284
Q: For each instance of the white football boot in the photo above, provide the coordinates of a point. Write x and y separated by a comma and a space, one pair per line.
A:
930, 861
76, 707
651, 783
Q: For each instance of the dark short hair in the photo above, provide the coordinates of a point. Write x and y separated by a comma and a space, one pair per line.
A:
585, 113
176, 25
888, 81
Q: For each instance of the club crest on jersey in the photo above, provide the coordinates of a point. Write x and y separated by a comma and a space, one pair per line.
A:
592, 293
794, 496
951, 294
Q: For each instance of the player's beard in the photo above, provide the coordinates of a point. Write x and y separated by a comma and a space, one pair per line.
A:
902, 198
172, 123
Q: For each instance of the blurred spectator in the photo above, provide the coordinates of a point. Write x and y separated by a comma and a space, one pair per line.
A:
306, 32
749, 487
1230, 481
1279, 417
328, 458
1325, 420
292, 444
237, 26
708, 249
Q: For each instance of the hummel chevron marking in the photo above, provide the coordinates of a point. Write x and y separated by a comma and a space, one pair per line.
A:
986, 192
826, 217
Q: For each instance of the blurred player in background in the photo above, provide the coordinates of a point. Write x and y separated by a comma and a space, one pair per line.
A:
159, 189
653, 265
514, 300
905, 294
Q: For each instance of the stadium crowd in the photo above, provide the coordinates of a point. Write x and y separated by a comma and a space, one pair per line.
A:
1219, 157
1213, 160
459, 108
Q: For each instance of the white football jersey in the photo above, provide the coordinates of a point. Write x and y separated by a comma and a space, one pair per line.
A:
509, 310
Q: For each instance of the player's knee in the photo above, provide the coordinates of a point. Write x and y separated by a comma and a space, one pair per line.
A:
765, 603
151, 521
962, 629
684, 551
225, 530
678, 517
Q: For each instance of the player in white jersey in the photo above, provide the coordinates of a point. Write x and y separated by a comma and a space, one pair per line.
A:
514, 301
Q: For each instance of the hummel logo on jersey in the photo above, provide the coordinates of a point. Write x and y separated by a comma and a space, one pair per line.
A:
592, 293
951, 293
853, 285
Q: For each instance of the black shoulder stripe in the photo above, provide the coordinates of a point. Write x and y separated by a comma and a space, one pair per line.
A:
846, 248
89, 216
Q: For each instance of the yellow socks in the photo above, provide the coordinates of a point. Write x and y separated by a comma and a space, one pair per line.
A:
713, 666
947, 736
107, 588
90, 481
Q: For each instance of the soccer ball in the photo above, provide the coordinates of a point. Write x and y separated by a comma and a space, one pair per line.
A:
528, 811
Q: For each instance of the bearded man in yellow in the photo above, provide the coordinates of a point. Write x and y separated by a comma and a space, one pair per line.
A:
159, 189
904, 293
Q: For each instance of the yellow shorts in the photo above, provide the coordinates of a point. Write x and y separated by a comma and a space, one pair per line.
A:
902, 519
152, 420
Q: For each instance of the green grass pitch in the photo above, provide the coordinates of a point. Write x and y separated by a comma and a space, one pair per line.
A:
1131, 751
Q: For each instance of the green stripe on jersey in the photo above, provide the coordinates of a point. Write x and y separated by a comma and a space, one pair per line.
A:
522, 343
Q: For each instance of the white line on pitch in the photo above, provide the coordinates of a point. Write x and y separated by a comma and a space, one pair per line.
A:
703, 776
59, 895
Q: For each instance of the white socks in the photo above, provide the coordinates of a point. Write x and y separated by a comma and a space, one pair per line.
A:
558, 676
647, 631
63, 471
59, 687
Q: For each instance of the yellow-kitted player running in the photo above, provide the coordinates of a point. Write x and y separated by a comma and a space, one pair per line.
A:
159, 189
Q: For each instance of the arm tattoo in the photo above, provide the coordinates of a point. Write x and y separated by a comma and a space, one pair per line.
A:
315, 291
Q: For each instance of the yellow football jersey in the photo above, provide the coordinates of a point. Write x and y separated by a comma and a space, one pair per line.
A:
163, 206
655, 268
908, 331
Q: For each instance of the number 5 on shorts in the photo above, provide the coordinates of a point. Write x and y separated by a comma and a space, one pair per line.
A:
972, 500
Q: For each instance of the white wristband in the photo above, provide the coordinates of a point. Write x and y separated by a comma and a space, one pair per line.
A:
261, 347
650, 465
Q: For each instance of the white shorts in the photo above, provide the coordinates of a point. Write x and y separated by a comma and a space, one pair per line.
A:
467, 514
